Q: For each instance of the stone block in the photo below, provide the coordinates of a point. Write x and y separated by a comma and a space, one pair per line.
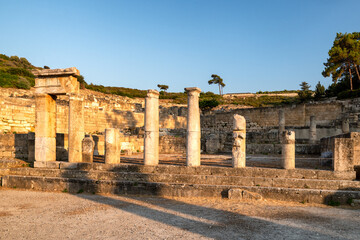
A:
242, 194
41, 164
88, 149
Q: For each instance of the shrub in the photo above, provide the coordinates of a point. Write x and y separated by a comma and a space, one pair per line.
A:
20, 72
206, 105
22, 83
349, 94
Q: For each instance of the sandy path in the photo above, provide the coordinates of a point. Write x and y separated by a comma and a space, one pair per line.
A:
44, 215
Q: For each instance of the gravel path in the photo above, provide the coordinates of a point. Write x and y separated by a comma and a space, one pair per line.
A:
45, 215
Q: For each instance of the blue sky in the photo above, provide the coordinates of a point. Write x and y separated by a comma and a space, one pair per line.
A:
252, 45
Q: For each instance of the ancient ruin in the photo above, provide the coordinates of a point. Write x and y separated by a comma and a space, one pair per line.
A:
151, 138
50, 83
176, 150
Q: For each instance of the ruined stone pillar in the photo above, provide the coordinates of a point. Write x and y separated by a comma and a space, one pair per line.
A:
45, 128
151, 140
345, 126
239, 142
193, 128
312, 130
76, 127
88, 146
288, 149
112, 146
281, 122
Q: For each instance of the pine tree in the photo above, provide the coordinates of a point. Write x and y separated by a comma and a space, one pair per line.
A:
344, 58
319, 91
304, 93
217, 80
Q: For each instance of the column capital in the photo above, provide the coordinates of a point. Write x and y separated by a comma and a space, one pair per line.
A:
288, 137
151, 93
192, 90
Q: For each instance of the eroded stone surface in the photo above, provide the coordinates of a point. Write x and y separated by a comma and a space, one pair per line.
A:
88, 145
193, 128
239, 142
288, 149
112, 146
151, 138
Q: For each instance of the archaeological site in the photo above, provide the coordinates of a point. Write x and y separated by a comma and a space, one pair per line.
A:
57, 137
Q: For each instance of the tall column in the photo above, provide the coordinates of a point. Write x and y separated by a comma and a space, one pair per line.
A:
151, 140
45, 128
193, 128
239, 143
281, 122
76, 127
112, 146
288, 149
312, 130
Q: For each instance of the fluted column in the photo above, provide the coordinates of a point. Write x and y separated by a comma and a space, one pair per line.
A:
151, 140
193, 128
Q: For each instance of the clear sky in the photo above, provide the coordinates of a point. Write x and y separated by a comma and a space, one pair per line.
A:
252, 45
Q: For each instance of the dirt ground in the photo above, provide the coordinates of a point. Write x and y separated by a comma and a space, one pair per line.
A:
45, 215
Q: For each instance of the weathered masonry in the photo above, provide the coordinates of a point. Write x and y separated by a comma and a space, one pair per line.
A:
50, 83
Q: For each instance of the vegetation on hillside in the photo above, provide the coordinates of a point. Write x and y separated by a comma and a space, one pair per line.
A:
15, 72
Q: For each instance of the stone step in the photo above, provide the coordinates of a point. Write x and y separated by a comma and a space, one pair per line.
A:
206, 170
190, 179
12, 163
78, 185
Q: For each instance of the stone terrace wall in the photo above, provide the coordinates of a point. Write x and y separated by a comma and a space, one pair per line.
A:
100, 111
110, 111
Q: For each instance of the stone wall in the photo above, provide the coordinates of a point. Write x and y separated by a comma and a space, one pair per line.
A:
14, 146
110, 111
100, 111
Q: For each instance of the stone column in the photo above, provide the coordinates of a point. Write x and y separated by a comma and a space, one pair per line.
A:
193, 128
288, 149
112, 146
345, 126
45, 128
151, 140
76, 127
312, 130
88, 146
281, 122
239, 143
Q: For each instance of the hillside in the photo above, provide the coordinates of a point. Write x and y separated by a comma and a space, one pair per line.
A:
15, 72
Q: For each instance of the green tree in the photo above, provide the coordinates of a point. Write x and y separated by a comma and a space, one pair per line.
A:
344, 58
217, 80
163, 87
319, 90
304, 93
82, 82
